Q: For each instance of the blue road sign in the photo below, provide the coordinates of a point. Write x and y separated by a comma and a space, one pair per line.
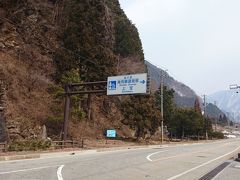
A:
127, 84
112, 85
111, 133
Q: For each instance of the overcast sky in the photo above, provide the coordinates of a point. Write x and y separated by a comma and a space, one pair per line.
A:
198, 41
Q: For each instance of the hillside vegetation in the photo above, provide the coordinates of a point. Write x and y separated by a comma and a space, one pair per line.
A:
45, 44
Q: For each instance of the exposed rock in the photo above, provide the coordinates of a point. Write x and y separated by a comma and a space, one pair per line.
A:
2, 45
44, 132
29, 38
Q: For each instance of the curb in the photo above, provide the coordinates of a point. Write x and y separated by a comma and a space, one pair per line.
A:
19, 157
69, 153
82, 152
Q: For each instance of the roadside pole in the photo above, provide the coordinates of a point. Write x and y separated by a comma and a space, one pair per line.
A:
66, 113
162, 106
204, 115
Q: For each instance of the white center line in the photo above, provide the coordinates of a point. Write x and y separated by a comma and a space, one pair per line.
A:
59, 172
148, 157
23, 170
204, 164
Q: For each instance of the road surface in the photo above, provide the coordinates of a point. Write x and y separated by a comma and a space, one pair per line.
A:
167, 163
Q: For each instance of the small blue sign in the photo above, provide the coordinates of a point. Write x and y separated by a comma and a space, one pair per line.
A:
111, 133
112, 85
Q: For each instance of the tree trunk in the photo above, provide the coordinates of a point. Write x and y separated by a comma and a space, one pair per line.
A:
183, 133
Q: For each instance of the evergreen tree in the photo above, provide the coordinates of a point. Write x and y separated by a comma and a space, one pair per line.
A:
168, 104
220, 119
197, 107
85, 45
188, 123
141, 114
225, 120
127, 41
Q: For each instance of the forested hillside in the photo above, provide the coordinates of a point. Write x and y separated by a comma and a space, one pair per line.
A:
46, 44
184, 96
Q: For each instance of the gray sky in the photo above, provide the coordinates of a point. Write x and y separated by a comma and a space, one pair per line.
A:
198, 41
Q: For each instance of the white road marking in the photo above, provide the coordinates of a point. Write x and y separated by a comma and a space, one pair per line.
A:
59, 172
206, 163
148, 157
23, 170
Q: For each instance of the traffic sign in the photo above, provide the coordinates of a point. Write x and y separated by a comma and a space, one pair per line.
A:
111, 133
127, 84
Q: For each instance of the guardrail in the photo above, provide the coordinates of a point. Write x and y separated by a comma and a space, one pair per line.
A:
54, 145
67, 144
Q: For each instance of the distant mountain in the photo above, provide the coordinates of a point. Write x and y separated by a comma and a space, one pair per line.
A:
184, 96
213, 111
228, 101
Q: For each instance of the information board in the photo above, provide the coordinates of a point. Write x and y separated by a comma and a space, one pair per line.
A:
111, 133
127, 84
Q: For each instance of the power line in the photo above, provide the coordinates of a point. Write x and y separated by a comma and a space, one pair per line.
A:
80, 56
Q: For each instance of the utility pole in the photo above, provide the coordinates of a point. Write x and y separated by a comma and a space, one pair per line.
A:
204, 115
163, 73
162, 106
215, 103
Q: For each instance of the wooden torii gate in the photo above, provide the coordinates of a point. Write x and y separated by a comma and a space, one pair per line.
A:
98, 87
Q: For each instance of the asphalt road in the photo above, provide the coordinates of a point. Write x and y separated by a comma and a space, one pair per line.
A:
173, 162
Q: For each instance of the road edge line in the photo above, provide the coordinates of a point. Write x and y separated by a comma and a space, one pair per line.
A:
201, 165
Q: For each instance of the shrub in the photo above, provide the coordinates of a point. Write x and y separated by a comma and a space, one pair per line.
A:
29, 145
217, 135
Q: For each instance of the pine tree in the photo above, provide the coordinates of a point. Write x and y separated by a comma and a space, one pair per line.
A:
86, 43
141, 114
225, 120
197, 107
168, 104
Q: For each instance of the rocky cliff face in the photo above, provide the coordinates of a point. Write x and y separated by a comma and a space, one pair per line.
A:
40, 40
28, 38
46, 43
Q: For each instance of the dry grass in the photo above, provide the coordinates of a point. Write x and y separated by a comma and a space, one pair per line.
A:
28, 102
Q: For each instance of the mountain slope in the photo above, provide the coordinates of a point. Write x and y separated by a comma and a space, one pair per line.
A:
183, 97
228, 101
213, 111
